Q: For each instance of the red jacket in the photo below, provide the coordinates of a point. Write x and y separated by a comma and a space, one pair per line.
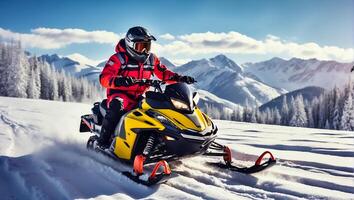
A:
120, 65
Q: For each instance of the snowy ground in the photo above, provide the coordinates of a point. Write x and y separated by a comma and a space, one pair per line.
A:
42, 156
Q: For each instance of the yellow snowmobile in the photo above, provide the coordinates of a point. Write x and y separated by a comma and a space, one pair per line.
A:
167, 125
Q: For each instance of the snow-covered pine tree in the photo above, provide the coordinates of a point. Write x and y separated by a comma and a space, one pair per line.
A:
33, 89
4, 65
298, 118
327, 126
348, 113
17, 72
276, 116
309, 115
315, 112
284, 112
268, 118
53, 85
336, 109
253, 118
44, 77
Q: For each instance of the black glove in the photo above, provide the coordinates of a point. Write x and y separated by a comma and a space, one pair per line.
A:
185, 79
123, 81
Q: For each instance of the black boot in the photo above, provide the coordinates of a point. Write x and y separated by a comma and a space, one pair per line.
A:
110, 121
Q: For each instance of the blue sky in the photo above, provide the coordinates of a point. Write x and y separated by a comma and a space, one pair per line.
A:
302, 28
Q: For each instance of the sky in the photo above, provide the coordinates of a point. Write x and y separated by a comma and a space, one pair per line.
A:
246, 31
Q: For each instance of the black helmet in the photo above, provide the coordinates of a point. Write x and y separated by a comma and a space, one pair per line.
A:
138, 43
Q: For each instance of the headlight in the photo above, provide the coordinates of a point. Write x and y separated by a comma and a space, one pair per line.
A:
179, 104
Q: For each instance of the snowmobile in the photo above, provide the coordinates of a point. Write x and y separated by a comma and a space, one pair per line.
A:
167, 125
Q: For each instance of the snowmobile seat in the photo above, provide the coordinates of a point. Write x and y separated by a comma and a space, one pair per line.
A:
157, 100
103, 107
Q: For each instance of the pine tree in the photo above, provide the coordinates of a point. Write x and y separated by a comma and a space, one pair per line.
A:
44, 80
310, 118
276, 117
253, 118
299, 118
285, 112
17, 76
348, 114
336, 109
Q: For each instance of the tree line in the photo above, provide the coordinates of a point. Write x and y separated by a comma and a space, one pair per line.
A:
30, 77
334, 109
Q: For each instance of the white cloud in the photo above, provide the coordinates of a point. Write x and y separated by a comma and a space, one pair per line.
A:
52, 38
237, 43
188, 45
83, 59
167, 36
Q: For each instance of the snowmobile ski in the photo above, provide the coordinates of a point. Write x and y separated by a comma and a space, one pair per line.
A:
155, 177
257, 167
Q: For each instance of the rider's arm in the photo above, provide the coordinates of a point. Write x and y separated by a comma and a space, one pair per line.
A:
162, 72
109, 72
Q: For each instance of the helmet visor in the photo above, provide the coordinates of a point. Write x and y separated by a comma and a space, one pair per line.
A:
141, 47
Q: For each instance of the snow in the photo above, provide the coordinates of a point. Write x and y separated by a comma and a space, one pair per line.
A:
43, 156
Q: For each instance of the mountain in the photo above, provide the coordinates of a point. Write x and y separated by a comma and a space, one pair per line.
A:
298, 73
308, 93
224, 78
43, 156
72, 67
219, 75
168, 63
209, 102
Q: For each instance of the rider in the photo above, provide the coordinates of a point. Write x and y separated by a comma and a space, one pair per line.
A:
132, 61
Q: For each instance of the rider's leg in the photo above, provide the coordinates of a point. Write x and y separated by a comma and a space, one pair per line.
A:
114, 113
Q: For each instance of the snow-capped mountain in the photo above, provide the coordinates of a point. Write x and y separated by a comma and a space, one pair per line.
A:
72, 66
224, 78
168, 63
298, 73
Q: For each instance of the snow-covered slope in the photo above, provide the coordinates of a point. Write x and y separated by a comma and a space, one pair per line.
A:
298, 73
209, 100
224, 78
42, 156
73, 67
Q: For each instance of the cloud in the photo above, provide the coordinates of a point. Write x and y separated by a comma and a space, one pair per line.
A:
188, 45
167, 36
52, 38
83, 59
236, 43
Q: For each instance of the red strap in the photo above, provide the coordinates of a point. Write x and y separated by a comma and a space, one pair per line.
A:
166, 169
259, 160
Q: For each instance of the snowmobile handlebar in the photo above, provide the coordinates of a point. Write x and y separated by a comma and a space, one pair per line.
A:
149, 82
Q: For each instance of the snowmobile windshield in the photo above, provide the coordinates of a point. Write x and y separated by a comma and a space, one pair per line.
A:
141, 47
180, 96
